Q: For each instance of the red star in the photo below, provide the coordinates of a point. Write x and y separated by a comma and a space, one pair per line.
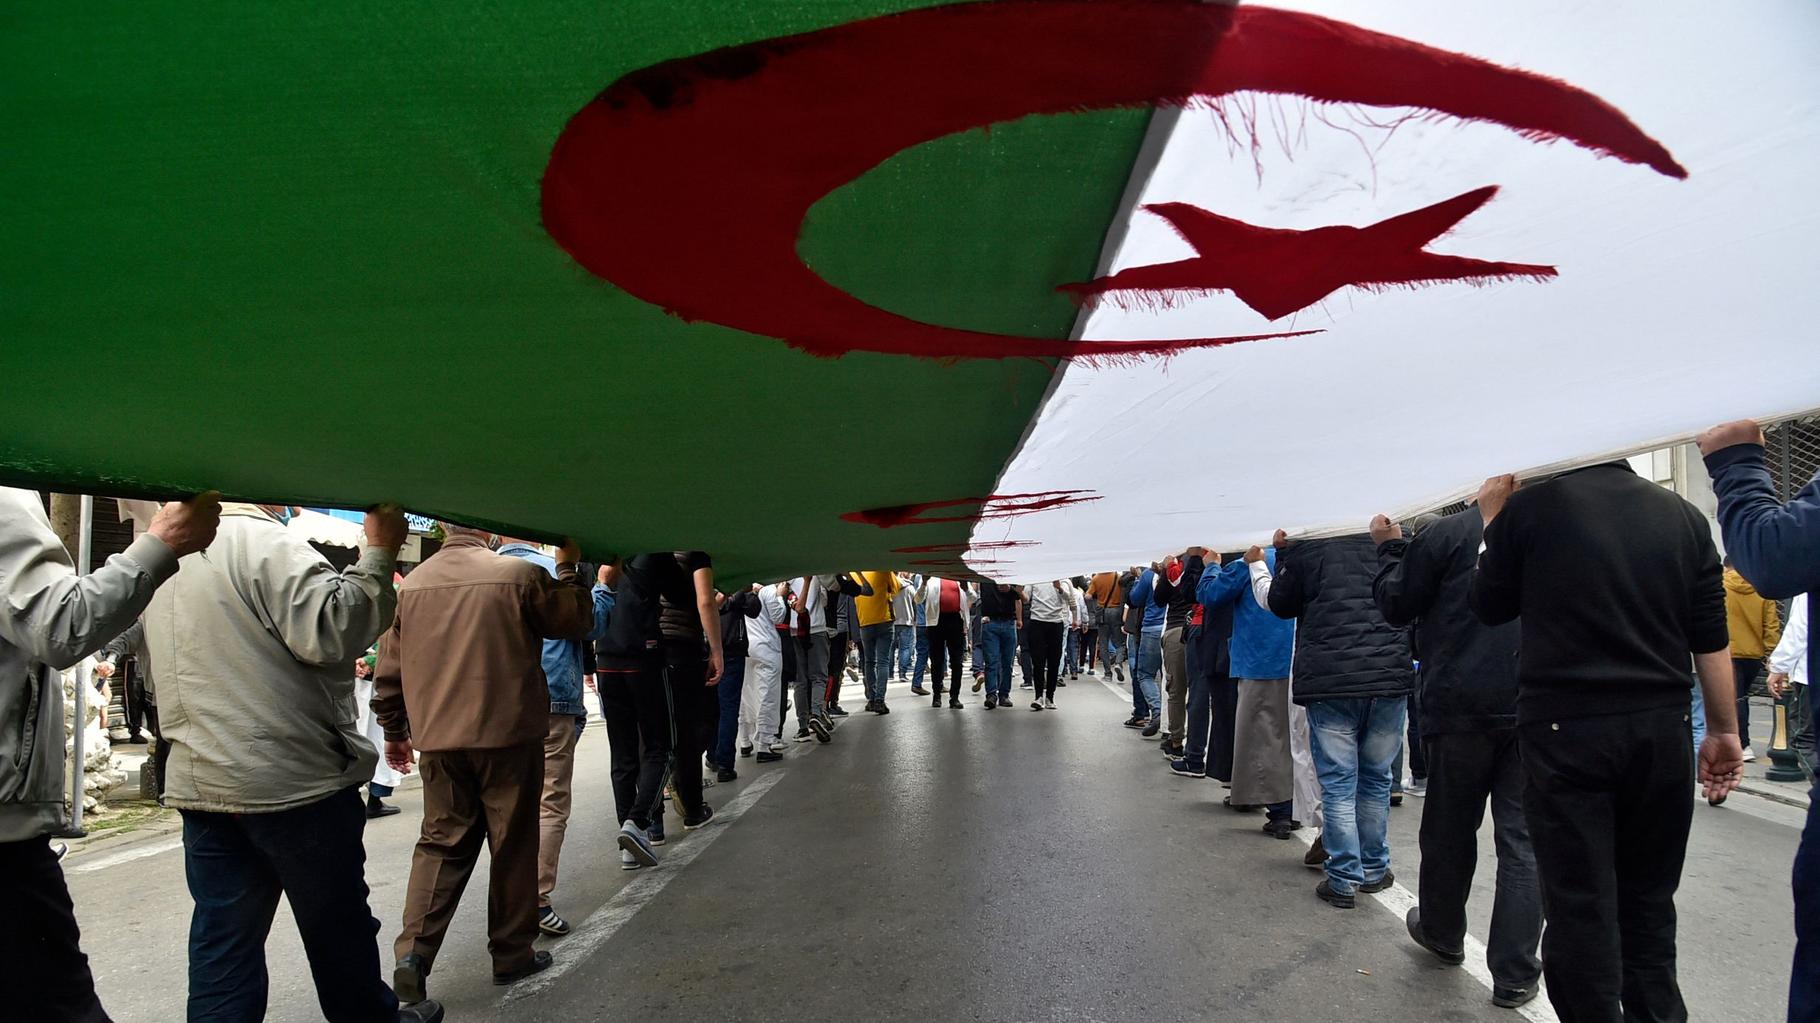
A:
1278, 272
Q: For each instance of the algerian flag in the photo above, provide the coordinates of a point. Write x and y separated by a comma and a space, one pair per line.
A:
781, 281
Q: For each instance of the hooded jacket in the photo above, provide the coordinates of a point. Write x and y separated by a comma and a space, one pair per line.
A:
1262, 644
1468, 678
1753, 623
51, 619
1344, 649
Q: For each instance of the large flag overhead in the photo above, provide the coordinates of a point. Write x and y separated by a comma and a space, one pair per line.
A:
802, 284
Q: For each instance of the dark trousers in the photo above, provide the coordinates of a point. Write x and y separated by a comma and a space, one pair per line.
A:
42, 969
238, 864
1744, 674
837, 667
1609, 801
947, 651
1801, 728
1467, 769
135, 703
727, 695
1213, 710
1090, 649
1024, 659
636, 705
471, 798
1804, 983
786, 680
1046, 654
695, 720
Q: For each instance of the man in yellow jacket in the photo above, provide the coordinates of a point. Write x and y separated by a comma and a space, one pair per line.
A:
1756, 628
875, 634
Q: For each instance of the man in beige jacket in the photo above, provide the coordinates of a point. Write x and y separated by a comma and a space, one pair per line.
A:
460, 681
254, 645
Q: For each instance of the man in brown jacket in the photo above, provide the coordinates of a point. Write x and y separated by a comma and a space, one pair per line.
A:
460, 681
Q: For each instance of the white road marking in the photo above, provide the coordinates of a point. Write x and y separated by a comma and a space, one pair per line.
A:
648, 882
138, 852
1398, 901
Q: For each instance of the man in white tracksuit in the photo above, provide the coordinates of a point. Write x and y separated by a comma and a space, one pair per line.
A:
759, 706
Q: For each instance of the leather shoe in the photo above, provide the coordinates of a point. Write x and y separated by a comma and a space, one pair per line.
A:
1413, 921
427, 1011
540, 961
410, 981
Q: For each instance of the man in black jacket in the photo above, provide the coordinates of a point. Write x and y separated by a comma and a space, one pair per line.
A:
1467, 693
1354, 674
1617, 582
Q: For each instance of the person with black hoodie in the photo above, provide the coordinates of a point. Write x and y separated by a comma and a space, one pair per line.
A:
1618, 585
1467, 692
1354, 674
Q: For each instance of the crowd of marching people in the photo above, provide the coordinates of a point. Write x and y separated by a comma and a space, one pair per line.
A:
1570, 654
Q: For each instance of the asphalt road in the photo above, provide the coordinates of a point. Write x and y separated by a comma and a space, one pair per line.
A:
956, 865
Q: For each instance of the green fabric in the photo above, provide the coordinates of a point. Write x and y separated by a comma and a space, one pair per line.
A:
294, 252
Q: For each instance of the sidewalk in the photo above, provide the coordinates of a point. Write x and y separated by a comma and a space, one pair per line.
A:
1756, 781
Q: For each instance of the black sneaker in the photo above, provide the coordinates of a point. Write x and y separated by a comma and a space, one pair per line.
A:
1152, 727
835, 710
699, 818
1121, 673
1059, 683
1337, 900
540, 961
551, 924
991, 703
726, 774
937, 702
766, 756
1413, 921
1036, 705
1171, 748
1374, 887
427, 1011
745, 751
1182, 767
1512, 997
410, 981
954, 703
1317, 856
805, 734
819, 729
881, 708
1396, 799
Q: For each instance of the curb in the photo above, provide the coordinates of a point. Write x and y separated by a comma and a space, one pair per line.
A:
1798, 802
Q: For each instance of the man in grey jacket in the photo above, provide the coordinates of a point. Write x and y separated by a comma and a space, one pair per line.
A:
254, 646
51, 619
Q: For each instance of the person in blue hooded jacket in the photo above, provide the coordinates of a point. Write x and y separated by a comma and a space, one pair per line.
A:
1777, 547
1261, 651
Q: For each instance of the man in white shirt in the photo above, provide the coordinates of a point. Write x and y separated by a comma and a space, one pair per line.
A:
1788, 663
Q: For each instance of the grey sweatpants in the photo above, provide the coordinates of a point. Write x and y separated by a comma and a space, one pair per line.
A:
811, 677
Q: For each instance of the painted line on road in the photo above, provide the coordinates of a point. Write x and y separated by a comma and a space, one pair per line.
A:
138, 852
1398, 901
606, 921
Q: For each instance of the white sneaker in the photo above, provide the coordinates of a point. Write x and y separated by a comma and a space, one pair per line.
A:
778, 747
1750, 755
1417, 787
1049, 704
635, 842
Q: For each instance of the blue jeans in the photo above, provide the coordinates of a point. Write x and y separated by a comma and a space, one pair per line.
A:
1147, 695
1071, 644
1699, 719
875, 659
903, 641
732, 685
922, 656
1355, 742
238, 865
1000, 641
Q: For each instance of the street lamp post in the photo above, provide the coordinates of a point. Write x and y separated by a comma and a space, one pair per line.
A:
1784, 764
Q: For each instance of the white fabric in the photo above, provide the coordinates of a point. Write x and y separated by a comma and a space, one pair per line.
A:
1260, 583
1679, 303
1307, 783
1050, 602
762, 638
759, 705
383, 773
316, 527
1790, 655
